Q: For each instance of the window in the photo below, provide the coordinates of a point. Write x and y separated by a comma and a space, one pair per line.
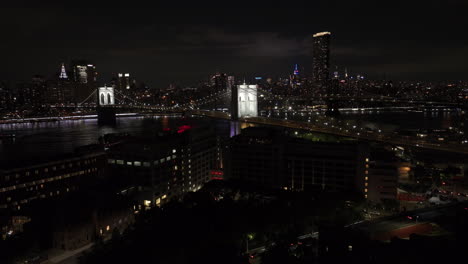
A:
366, 178
146, 164
129, 163
111, 161
365, 189
120, 162
174, 151
156, 162
137, 163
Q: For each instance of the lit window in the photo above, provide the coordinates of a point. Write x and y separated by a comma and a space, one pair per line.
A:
111, 161
120, 162
137, 163
366, 172
367, 159
175, 167
168, 158
174, 156
366, 178
129, 163
174, 151
164, 197
366, 184
156, 162
162, 160
367, 166
147, 203
365, 190
158, 201
365, 196
350, 248
146, 164
107, 228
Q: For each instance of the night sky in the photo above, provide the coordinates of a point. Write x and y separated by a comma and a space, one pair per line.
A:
184, 44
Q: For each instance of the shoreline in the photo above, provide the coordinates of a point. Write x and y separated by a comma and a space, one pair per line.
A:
68, 118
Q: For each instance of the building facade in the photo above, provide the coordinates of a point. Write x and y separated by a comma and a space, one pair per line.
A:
166, 166
321, 58
266, 157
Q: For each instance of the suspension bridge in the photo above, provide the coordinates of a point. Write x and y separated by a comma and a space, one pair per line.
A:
107, 103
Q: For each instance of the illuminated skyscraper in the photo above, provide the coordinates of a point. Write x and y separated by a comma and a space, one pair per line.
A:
296, 71
321, 58
85, 80
123, 81
63, 72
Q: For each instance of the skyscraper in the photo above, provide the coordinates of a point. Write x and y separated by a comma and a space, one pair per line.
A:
123, 81
85, 80
321, 58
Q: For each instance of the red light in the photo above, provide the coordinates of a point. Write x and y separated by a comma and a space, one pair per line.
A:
217, 178
183, 128
410, 218
443, 183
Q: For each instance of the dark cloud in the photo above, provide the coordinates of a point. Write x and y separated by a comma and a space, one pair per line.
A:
185, 43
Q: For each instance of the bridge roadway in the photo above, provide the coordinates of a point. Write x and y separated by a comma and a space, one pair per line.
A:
361, 135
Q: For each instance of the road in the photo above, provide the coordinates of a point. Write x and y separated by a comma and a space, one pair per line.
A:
328, 128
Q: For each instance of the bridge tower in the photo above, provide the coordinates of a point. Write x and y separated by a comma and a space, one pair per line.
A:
105, 110
244, 101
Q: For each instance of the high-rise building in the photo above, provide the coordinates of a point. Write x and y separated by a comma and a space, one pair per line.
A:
230, 82
219, 82
123, 81
321, 58
85, 79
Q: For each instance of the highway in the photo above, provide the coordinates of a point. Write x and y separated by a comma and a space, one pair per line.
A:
326, 126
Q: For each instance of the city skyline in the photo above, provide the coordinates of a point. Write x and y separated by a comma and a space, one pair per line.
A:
183, 46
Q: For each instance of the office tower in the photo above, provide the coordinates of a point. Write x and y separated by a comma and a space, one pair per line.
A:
59, 90
321, 58
123, 81
85, 80
230, 82
219, 82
